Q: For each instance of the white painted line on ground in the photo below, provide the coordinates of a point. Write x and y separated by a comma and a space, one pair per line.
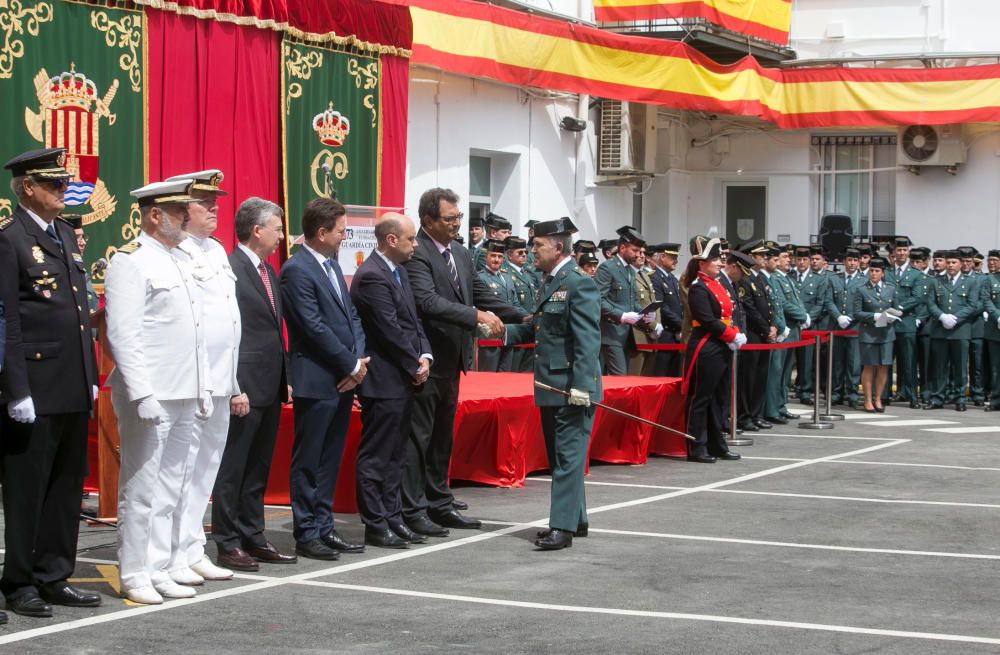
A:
907, 423
916, 465
979, 430
775, 459
859, 499
405, 554
792, 544
709, 618
863, 415
767, 433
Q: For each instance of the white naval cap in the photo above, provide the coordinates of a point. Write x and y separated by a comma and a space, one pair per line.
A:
161, 193
203, 180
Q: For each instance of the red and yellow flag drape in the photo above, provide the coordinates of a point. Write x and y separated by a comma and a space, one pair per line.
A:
482, 40
764, 19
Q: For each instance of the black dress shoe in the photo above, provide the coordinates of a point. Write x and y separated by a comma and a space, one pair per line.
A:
933, 406
236, 559
748, 426
776, 420
729, 456
408, 535
3, 618
29, 604
384, 538
61, 593
556, 539
789, 415
423, 525
455, 520
762, 424
914, 404
316, 549
335, 542
459, 505
268, 553
977, 403
701, 459
960, 407
806, 400
582, 530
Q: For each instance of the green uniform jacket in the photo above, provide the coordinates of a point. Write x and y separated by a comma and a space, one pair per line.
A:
960, 299
868, 301
501, 285
777, 301
616, 283
842, 295
567, 337
989, 296
813, 294
978, 324
524, 287
795, 313
909, 300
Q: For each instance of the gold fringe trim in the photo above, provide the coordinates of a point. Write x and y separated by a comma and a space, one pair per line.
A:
329, 37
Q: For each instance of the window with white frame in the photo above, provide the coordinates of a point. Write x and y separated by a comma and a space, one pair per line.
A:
852, 183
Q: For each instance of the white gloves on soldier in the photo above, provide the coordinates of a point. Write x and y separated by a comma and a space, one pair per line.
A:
22, 411
631, 318
784, 335
805, 326
949, 321
919, 323
150, 410
577, 397
738, 342
881, 320
843, 321
998, 322
650, 317
658, 330
205, 407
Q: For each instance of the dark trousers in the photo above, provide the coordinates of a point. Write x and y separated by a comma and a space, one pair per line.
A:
976, 377
496, 360
614, 359
44, 465
708, 389
320, 433
751, 373
905, 347
428, 450
379, 474
238, 495
949, 358
668, 363
924, 375
523, 360
805, 363
567, 437
846, 368
993, 354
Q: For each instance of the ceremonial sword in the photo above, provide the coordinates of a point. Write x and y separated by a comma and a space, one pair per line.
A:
542, 385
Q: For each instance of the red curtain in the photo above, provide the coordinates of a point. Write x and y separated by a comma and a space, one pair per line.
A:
395, 105
213, 94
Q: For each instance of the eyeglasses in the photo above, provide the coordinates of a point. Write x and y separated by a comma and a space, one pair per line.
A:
455, 218
55, 184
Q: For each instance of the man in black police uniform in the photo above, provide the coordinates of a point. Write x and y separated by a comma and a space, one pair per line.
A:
760, 328
48, 385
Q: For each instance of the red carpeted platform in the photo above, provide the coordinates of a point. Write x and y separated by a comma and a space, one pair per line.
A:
498, 435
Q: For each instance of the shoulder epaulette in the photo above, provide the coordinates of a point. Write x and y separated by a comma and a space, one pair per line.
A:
6, 222
212, 237
130, 247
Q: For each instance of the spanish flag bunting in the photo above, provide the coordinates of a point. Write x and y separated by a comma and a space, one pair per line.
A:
764, 19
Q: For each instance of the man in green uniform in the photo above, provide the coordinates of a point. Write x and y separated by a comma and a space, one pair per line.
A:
619, 302
501, 285
567, 338
919, 261
789, 315
989, 294
909, 299
812, 287
529, 260
524, 293
955, 307
498, 228
976, 378
846, 353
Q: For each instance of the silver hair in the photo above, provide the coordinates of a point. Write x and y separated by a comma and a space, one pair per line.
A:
254, 211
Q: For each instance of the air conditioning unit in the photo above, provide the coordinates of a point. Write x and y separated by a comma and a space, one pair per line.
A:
626, 142
930, 145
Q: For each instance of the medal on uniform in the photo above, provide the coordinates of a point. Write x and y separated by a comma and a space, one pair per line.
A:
37, 253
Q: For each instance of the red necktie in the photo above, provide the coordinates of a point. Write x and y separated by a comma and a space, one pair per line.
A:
267, 285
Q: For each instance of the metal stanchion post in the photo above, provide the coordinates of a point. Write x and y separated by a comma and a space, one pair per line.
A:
830, 416
816, 424
475, 354
733, 411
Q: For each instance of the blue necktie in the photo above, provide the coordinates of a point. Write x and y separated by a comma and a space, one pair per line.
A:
328, 265
395, 273
51, 231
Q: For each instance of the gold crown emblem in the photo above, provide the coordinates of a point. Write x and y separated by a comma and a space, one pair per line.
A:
331, 127
72, 89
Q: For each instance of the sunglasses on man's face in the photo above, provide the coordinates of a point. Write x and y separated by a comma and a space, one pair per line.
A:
59, 184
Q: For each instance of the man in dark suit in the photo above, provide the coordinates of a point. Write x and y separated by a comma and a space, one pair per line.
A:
48, 384
400, 362
327, 349
238, 495
451, 300
667, 290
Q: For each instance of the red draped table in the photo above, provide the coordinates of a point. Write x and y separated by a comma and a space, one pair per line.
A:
498, 435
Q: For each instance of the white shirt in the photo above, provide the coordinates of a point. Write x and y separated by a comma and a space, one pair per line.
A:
254, 259
221, 312
154, 324
392, 267
38, 219
563, 263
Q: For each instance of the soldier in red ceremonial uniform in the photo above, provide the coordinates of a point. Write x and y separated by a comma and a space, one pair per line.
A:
708, 358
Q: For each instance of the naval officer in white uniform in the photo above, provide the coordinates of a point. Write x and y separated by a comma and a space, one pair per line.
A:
221, 323
160, 385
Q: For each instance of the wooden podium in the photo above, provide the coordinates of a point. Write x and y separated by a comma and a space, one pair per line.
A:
108, 449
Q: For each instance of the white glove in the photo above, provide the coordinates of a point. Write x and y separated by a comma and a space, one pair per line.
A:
650, 317
949, 321
577, 397
784, 335
891, 318
998, 322
22, 411
658, 330
205, 407
805, 326
150, 410
843, 321
986, 316
738, 342
95, 391
919, 323
892, 311
881, 320
631, 318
